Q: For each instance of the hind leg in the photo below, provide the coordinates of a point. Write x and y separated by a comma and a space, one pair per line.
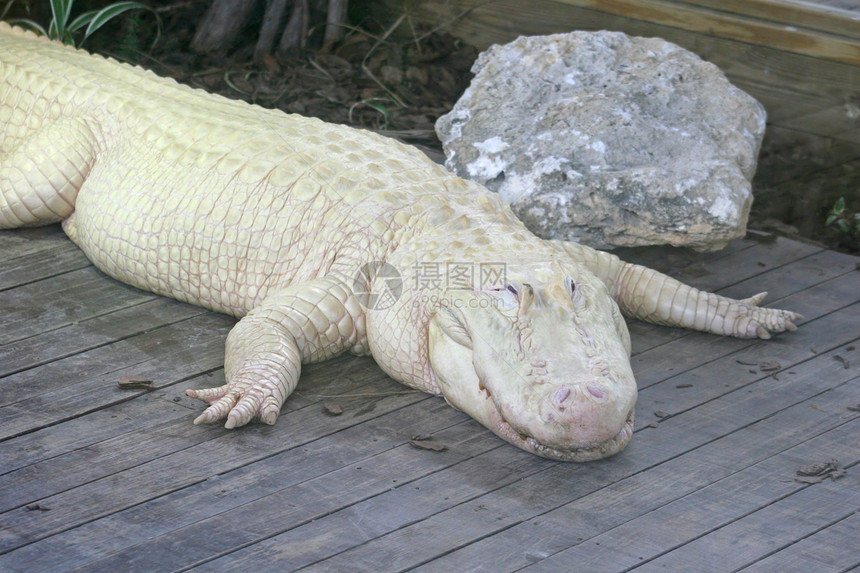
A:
40, 177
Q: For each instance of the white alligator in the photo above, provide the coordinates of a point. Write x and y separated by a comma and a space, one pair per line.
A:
325, 239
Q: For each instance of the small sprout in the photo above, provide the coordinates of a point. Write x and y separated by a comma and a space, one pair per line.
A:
841, 218
61, 29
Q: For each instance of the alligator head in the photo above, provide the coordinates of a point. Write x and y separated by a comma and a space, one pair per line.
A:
542, 360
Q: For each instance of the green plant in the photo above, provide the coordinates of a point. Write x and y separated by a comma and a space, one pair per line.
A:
60, 28
844, 220
377, 104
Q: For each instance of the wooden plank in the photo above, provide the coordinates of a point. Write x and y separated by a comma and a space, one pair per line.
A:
813, 15
787, 154
808, 42
790, 85
314, 498
502, 17
661, 466
784, 280
151, 408
50, 262
684, 389
838, 121
217, 453
86, 293
91, 333
746, 265
302, 480
333, 531
146, 410
848, 5
673, 260
832, 549
79, 384
751, 495
768, 529
23, 242
811, 191
386, 511
114, 455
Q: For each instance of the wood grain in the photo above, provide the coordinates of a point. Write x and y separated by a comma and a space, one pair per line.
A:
98, 478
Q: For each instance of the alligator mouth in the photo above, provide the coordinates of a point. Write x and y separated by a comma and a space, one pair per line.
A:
579, 454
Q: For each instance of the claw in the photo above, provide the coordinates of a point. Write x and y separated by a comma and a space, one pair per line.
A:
219, 406
269, 411
208, 395
762, 332
756, 299
233, 420
243, 411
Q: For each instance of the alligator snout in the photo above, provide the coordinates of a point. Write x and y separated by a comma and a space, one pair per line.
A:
581, 416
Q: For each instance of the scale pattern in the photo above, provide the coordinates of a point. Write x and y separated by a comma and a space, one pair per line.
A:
273, 218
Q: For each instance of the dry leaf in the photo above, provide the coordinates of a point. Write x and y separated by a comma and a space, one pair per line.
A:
271, 64
135, 383
428, 445
332, 408
817, 473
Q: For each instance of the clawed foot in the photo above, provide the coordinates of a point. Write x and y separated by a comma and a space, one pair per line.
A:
239, 403
758, 322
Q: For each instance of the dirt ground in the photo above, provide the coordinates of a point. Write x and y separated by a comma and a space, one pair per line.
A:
399, 87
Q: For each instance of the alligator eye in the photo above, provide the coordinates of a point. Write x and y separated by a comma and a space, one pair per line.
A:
571, 286
510, 295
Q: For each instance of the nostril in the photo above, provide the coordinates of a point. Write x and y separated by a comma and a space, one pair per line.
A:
595, 391
561, 395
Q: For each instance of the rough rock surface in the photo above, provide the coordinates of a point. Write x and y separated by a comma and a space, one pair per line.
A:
609, 139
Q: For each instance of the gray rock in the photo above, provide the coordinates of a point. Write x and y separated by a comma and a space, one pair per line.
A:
609, 139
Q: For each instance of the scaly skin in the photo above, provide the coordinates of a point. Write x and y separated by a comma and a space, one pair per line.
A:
273, 217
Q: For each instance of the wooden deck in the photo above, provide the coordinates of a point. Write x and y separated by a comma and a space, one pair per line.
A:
104, 479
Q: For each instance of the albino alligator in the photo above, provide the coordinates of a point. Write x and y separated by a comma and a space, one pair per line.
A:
286, 222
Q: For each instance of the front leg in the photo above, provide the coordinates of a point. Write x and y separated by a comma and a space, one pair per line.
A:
306, 322
652, 296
